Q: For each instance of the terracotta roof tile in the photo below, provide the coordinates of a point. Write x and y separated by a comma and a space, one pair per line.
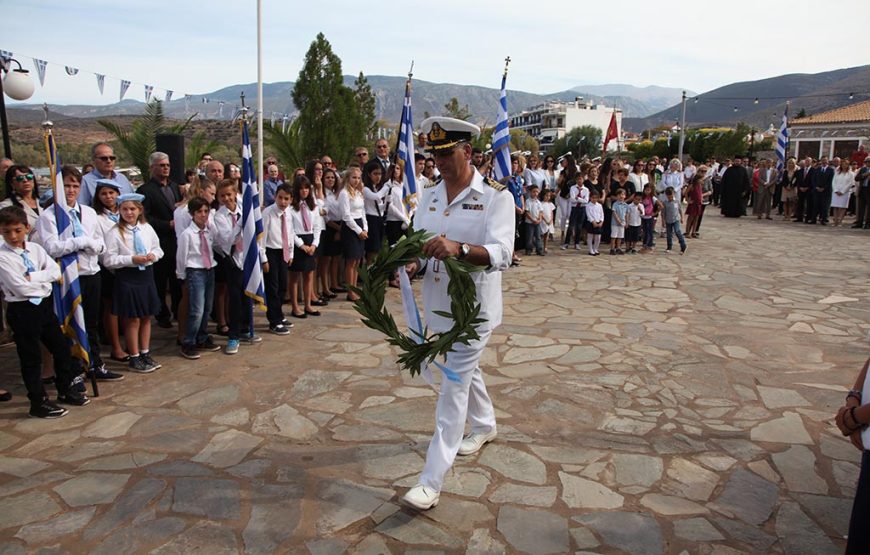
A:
859, 112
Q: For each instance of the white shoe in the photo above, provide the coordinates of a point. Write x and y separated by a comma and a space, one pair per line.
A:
564, 247
472, 443
421, 497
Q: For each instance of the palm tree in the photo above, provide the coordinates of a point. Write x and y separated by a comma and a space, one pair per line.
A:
140, 140
197, 146
286, 144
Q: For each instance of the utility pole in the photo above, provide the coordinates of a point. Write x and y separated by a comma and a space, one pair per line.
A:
682, 130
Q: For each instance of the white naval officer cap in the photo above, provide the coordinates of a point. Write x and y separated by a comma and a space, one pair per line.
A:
445, 133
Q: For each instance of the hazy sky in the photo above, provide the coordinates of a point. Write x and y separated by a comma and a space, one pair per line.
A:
198, 47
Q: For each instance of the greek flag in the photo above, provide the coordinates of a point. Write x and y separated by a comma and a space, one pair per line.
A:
252, 224
406, 151
501, 139
67, 293
782, 142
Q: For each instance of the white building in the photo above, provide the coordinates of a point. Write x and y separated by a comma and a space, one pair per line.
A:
552, 120
836, 132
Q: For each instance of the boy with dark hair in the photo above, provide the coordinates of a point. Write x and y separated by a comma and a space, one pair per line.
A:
26, 275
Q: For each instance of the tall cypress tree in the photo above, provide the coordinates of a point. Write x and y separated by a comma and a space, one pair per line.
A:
364, 99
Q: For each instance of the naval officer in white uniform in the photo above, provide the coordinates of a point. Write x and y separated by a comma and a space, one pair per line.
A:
473, 219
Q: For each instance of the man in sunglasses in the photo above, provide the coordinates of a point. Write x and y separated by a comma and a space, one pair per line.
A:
104, 168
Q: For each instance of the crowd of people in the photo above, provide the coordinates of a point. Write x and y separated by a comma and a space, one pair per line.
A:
173, 252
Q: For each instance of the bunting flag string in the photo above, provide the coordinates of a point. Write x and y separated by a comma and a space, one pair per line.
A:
168, 97
148, 90
71, 70
101, 82
124, 86
40, 70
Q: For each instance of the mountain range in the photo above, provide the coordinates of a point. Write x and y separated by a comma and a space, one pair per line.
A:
389, 94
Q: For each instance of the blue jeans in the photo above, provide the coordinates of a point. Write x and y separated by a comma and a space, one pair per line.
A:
673, 229
533, 238
200, 292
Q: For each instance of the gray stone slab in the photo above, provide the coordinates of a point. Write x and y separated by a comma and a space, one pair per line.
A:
482, 543
227, 448
343, 503
24, 484
392, 466
514, 464
697, 530
179, 468
111, 426
524, 495
136, 538
797, 465
747, 534
373, 544
214, 499
27, 508
641, 470
21, 467
92, 488
468, 481
748, 497
833, 512
61, 525
126, 507
533, 530
316, 382
328, 546
414, 530
270, 524
123, 461
210, 401
460, 514
580, 493
799, 535
635, 533
204, 537
284, 421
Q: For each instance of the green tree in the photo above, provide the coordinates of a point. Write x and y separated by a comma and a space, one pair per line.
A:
522, 141
453, 110
329, 118
286, 145
364, 99
802, 113
196, 147
581, 141
140, 140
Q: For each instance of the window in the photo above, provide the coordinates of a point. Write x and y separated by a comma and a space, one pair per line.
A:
844, 149
808, 148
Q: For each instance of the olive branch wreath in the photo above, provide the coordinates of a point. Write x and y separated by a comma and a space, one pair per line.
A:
464, 308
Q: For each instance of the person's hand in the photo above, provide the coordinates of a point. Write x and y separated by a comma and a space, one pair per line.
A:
840, 420
151, 257
27, 276
363, 234
311, 250
171, 224
140, 259
412, 268
265, 267
857, 441
440, 248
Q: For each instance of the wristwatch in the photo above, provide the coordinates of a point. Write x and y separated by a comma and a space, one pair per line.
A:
464, 249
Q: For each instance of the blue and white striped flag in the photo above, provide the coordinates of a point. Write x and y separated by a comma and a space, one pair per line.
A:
67, 292
501, 139
406, 152
252, 224
782, 142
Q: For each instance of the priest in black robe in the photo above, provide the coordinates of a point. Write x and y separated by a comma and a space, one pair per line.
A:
735, 187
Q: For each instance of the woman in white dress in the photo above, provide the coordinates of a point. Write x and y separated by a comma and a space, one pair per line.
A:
844, 182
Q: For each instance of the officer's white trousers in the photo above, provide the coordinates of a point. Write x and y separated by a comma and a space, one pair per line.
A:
457, 402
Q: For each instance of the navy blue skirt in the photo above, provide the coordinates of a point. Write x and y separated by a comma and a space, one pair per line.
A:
302, 261
135, 293
351, 244
376, 233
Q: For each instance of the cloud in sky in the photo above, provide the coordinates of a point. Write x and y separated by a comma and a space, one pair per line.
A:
197, 47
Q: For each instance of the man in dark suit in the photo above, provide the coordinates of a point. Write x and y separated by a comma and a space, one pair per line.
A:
862, 191
804, 197
161, 196
822, 185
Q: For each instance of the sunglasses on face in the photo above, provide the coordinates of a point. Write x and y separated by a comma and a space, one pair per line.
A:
107, 158
361, 154
24, 177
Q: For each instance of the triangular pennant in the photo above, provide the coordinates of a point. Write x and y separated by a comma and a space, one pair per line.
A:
168, 97
72, 70
148, 90
40, 70
101, 81
124, 86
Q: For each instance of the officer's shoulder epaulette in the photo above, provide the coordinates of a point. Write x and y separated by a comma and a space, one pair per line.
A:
494, 184
433, 183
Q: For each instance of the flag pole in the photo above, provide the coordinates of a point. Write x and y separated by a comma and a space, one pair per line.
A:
260, 170
407, 88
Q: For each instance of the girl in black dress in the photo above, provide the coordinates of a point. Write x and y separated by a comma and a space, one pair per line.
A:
375, 194
307, 225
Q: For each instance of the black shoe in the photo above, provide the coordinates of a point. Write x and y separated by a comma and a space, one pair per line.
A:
286, 323
104, 375
164, 323
5, 397
208, 345
150, 361
78, 385
136, 364
189, 352
73, 398
320, 302
279, 329
339, 290
857, 226
47, 409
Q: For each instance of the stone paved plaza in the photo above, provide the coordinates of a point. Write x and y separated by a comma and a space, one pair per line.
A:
646, 404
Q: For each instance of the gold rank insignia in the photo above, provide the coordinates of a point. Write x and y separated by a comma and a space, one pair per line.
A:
437, 133
494, 184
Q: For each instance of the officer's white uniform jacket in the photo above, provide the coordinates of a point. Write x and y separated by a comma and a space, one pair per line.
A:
482, 214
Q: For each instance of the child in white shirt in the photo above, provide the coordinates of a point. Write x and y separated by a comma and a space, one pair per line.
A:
533, 219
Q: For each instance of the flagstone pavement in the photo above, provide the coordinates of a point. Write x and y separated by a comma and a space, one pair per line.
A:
646, 404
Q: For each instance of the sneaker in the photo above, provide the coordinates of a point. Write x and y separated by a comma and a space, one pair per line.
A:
620, 251
287, 323
612, 251
564, 247
150, 361
576, 247
632, 251
73, 398
473, 442
251, 338
668, 251
279, 329
421, 497
47, 409
104, 375
78, 384
189, 352
232, 347
683, 250
137, 364
208, 345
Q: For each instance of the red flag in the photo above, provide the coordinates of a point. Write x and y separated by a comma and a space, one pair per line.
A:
612, 133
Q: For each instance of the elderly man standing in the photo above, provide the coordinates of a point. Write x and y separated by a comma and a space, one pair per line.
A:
161, 195
104, 168
471, 218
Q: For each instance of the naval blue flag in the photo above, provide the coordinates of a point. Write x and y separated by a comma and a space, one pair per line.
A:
406, 153
782, 142
501, 139
252, 224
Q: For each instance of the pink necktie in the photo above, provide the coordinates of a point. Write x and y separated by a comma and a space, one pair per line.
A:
285, 243
238, 243
306, 220
205, 251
